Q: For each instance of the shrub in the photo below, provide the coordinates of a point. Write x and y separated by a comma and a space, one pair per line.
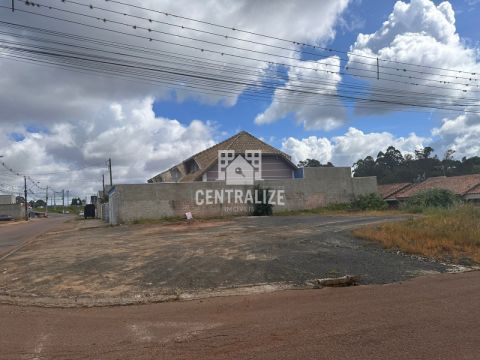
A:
371, 201
263, 209
432, 198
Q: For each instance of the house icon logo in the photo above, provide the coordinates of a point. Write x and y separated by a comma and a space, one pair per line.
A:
240, 169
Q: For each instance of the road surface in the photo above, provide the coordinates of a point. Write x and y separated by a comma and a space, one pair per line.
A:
14, 235
431, 317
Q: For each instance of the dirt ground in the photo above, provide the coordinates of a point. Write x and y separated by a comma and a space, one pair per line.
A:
429, 317
154, 262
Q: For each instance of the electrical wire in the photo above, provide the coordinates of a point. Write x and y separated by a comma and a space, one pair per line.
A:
304, 44
247, 57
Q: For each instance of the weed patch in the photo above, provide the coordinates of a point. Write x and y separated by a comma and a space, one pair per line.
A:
448, 234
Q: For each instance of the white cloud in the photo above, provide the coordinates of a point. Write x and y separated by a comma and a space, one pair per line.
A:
312, 111
423, 33
86, 118
48, 94
139, 143
461, 134
345, 149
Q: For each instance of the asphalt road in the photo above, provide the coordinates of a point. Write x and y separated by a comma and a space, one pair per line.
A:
14, 235
431, 317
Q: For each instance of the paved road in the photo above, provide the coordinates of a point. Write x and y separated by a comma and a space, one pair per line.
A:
13, 235
432, 317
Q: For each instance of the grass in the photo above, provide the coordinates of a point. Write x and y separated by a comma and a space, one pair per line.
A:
446, 234
335, 209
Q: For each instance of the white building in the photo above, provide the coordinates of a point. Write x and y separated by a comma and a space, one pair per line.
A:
7, 199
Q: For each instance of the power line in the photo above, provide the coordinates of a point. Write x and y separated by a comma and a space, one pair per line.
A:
194, 61
304, 44
396, 95
229, 37
149, 38
208, 77
377, 100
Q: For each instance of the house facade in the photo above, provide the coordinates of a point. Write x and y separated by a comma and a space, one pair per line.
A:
204, 166
232, 178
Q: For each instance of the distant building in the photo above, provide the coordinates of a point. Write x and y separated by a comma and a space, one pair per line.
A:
234, 177
8, 199
467, 187
275, 164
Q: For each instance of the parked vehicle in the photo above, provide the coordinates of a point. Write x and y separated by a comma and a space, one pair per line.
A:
5, 217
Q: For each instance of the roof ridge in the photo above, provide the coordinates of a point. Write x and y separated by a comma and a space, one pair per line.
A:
236, 137
211, 147
474, 186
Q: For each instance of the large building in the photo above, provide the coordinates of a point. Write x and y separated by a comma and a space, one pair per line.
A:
275, 164
233, 177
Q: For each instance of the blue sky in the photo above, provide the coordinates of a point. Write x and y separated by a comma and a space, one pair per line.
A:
365, 16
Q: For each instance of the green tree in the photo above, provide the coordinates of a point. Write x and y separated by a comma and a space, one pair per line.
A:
313, 163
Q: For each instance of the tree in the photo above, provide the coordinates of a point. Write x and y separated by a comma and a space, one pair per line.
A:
40, 203
313, 163
76, 202
449, 154
390, 158
423, 153
392, 167
365, 167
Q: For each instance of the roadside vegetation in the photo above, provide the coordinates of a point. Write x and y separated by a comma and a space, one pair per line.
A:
446, 229
370, 204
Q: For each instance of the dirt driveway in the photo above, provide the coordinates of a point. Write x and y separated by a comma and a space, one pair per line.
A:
135, 263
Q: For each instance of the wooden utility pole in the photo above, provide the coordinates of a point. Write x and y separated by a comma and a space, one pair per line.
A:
25, 193
378, 70
46, 202
110, 170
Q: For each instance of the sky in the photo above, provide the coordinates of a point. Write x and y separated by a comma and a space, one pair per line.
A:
59, 126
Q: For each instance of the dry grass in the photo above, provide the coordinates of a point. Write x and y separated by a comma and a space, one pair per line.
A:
337, 211
442, 234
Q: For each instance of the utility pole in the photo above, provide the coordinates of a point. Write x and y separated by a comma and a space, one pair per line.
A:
25, 193
63, 201
110, 170
46, 202
13, 5
68, 195
378, 70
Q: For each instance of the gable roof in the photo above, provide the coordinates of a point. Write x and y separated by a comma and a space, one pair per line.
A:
239, 142
239, 159
475, 190
387, 191
459, 185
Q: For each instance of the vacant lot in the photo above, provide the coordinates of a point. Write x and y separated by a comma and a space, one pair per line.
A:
447, 234
170, 260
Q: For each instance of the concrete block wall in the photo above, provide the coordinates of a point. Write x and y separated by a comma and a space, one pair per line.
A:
17, 211
319, 187
364, 185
